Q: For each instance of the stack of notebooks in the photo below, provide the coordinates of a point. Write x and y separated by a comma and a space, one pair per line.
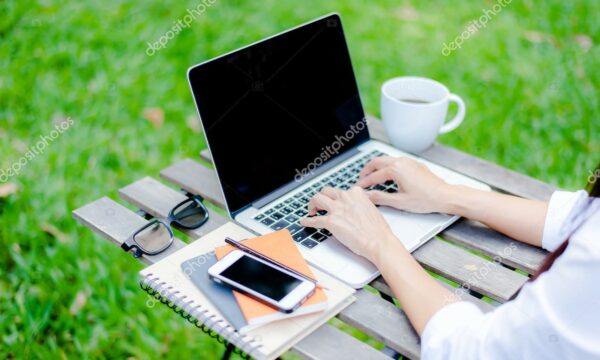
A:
257, 329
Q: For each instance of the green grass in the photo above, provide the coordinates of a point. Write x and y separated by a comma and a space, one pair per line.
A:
531, 91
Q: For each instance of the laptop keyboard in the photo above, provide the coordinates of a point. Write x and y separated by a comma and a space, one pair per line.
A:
286, 213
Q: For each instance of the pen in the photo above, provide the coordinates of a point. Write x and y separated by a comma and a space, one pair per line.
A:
246, 249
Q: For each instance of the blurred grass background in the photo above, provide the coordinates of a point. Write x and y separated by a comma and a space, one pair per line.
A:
530, 80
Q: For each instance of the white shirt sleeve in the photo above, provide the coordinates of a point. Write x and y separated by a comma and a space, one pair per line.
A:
561, 204
554, 317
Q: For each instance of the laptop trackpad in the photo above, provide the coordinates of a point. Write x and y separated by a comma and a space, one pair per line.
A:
412, 228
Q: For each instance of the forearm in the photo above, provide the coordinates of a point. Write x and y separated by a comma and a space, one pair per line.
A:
519, 218
419, 294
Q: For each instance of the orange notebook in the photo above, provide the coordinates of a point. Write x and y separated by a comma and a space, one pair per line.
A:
281, 247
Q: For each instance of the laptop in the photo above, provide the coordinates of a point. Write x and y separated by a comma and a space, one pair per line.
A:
283, 118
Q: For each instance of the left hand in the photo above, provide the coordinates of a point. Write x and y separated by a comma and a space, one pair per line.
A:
352, 218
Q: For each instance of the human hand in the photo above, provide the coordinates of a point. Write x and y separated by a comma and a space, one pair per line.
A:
352, 218
419, 190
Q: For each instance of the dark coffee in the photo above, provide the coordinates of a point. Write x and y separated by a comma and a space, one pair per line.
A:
414, 101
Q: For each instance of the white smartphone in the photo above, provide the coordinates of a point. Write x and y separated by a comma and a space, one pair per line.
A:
265, 282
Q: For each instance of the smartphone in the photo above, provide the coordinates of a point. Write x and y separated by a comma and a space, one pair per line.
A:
262, 280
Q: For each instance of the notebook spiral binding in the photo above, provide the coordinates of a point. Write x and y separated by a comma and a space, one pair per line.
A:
218, 329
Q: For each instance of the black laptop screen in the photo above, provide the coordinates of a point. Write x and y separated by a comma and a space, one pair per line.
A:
274, 111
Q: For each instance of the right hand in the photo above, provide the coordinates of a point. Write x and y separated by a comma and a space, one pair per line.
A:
419, 190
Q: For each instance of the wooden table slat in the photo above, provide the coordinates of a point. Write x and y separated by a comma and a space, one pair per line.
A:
195, 178
330, 343
383, 287
383, 321
157, 199
499, 247
477, 273
116, 223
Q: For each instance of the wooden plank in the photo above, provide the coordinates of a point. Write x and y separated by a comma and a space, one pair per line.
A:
157, 199
383, 321
469, 270
499, 177
383, 287
195, 178
116, 223
330, 343
499, 247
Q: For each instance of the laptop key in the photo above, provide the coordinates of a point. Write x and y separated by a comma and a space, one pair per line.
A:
287, 201
269, 212
295, 205
309, 243
345, 187
318, 237
310, 230
291, 218
277, 215
325, 232
294, 228
281, 224
286, 210
259, 217
267, 221
300, 235
298, 195
279, 206
301, 212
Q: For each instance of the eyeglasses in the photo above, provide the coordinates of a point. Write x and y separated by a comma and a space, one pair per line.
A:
157, 235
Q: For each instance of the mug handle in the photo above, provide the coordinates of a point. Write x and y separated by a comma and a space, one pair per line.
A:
453, 124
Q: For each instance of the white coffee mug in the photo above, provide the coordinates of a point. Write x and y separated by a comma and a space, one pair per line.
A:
414, 111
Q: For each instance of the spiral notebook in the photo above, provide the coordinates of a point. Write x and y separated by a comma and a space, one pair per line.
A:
167, 280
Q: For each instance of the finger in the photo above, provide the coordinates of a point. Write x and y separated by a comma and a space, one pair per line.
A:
383, 198
331, 192
315, 222
375, 164
377, 177
320, 202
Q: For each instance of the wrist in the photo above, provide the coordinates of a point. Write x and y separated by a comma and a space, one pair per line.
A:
451, 200
388, 244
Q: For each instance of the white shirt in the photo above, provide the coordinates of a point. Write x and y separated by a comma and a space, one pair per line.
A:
556, 316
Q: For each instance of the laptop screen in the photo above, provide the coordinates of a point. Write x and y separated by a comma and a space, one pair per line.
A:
274, 111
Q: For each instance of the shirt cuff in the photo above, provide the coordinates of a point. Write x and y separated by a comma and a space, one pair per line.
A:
445, 323
562, 204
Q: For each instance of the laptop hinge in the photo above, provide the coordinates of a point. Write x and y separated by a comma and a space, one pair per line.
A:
308, 177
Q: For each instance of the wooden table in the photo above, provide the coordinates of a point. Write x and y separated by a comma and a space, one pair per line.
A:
488, 264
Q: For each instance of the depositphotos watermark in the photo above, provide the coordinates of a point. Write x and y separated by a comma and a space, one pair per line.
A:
178, 26
331, 150
475, 26
35, 150
481, 273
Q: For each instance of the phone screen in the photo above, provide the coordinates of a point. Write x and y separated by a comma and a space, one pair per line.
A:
261, 278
